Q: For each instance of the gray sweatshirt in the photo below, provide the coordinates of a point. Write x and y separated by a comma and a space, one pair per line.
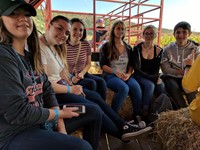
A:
173, 56
19, 105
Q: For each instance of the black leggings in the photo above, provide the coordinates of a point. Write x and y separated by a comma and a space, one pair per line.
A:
175, 90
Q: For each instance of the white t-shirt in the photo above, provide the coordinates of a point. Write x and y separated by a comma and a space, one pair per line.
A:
121, 63
53, 62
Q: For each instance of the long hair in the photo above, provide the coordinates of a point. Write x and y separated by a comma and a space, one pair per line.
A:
32, 43
34, 48
73, 20
61, 49
5, 36
113, 53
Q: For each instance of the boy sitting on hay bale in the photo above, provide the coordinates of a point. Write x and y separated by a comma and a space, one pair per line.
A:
181, 129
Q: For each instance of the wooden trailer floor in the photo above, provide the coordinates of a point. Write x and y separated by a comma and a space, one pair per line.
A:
144, 143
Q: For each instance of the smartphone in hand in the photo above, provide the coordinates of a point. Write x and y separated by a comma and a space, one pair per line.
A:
81, 108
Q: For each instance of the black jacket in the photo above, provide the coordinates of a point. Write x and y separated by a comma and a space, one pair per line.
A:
136, 59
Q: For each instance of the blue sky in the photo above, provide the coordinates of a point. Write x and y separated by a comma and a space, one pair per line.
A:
174, 10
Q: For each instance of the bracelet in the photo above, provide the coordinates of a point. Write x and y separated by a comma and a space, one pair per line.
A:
68, 89
114, 71
83, 71
187, 66
56, 115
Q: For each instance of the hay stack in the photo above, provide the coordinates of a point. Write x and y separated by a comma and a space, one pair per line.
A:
176, 131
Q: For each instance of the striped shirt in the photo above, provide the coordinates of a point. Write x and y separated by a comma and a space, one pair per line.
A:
72, 52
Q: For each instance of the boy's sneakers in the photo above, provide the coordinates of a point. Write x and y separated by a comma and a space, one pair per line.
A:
132, 131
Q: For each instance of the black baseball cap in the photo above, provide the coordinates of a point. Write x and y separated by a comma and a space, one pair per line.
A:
8, 6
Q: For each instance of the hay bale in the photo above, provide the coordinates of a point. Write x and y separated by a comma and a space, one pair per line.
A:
126, 111
78, 133
94, 69
174, 130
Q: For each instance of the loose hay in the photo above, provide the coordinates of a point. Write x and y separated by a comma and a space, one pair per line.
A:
174, 130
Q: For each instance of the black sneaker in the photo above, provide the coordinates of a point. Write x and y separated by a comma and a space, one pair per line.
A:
138, 123
132, 131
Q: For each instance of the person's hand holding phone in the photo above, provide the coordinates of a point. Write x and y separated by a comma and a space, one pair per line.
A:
80, 109
69, 112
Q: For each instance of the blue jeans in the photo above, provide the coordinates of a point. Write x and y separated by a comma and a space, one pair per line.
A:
112, 115
35, 138
94, 83
147, 91
91, 122
159, 89
111, 122
122, 89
